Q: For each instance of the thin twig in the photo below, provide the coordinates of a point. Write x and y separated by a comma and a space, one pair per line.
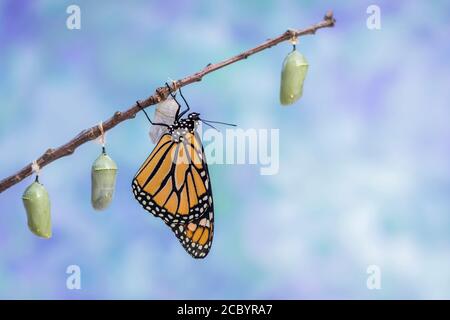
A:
160, 94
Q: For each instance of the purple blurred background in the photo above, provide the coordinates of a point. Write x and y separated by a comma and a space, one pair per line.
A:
364, 156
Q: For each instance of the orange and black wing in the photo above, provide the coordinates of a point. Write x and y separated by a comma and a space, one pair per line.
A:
196, 236
173, 183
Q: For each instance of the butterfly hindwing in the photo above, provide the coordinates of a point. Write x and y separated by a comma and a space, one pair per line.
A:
196, 236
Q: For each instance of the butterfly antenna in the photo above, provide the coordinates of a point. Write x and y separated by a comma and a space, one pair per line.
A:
225, 123
209, 125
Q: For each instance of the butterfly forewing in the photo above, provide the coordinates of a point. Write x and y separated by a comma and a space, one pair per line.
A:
173, 184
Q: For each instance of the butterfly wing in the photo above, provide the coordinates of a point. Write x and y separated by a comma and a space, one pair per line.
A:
196, 236
173, 183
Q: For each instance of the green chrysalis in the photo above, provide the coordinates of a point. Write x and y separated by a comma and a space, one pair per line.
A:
37, 205
293, 75
103, 176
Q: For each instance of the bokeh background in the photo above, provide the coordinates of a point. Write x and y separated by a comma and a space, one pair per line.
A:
364, 156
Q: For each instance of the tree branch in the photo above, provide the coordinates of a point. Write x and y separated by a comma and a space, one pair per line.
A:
160, 94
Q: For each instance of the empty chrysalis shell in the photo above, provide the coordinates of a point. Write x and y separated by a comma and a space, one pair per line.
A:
37, 205
293, 75
103, 176
165, 112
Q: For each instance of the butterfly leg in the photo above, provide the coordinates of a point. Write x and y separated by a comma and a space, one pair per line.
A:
148, 118
175, 99
187, 104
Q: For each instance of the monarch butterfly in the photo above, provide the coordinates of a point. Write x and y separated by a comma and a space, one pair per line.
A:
173, 183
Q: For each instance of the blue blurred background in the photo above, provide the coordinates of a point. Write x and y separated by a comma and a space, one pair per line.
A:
364, 156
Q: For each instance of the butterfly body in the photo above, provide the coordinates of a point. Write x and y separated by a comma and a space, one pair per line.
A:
173, 184
180, 127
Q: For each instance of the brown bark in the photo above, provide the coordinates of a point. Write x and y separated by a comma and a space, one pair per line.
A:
160, 93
